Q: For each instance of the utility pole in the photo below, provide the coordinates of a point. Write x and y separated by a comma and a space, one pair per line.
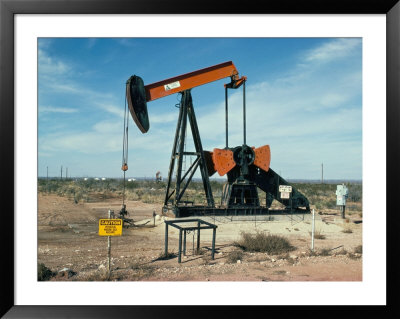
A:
61, 171
66, 173
47, 178
322, 173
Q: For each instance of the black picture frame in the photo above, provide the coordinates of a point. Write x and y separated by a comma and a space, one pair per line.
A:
8, 10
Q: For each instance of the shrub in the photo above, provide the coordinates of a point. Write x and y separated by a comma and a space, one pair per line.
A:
355, 192
207, 260
311, 253
353, 256
98, 276
347, 231
342, 252
234, 256
167, 256
260, 242
325, 252
318, 234
288, 258
142, 271
44, 273
358, 249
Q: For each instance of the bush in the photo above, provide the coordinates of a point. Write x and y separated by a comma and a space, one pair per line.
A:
318, 234
325, 252
167, 256
347, 231
260, 242
234, 256
44, 273
358, 249
342, 252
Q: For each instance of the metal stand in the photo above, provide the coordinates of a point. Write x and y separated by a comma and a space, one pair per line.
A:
186, 112
200, 224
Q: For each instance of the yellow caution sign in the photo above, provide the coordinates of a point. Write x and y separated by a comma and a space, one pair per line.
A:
110, 227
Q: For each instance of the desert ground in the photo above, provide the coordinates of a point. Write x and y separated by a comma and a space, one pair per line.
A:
70, 247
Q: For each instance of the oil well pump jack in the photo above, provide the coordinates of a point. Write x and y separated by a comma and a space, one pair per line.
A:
247, 168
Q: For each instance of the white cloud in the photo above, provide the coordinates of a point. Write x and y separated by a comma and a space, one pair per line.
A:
110, 108
126, 42
335, 49
307, 116
53, 109
50, 66
162, 118
108, 126
91, 42
92, 142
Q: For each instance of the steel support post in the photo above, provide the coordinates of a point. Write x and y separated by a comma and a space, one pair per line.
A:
173, 156
198, 237
213, 244
180, 246
166, 240
199, 150
226, 116
184, 106
184, 243
244, 112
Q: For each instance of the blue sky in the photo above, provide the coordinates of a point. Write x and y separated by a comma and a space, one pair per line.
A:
303, 98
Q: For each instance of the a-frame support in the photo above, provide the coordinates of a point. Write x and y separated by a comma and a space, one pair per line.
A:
186, 112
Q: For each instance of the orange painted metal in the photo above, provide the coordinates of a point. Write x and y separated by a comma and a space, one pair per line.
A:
190, 80
236, 84
262, 157
223, 161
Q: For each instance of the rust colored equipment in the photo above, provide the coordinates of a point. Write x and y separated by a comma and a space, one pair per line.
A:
223, 159
139, 94
247, 168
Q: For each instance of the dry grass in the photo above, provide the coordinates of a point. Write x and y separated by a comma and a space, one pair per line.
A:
325, 252
347, 231
287, 257
207, 260
260, 242
319, 252
358, 249
167, 256
141, 271
342, 252
97, 276
234, 256
318, 234
279, 272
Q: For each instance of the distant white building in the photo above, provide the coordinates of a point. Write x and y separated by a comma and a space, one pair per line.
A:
96, 179
131, 179
103, 178
85, 179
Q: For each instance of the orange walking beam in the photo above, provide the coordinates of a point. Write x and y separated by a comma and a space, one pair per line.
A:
190, 80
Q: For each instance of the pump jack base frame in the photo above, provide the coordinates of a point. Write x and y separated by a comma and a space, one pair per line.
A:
188, 211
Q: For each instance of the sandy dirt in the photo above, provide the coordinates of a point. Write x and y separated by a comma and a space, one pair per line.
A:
69, 244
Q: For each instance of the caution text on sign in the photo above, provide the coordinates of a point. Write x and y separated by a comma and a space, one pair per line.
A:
110, 227
285, 188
